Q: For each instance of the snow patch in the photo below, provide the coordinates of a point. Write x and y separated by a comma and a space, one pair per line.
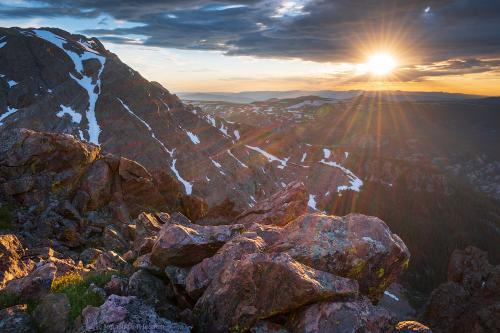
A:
75, 116
394, 297
86, 82
237, 134
194, 138
303, 158
10, 111
2, 43
187, 185
218, 166
169, 152
12, 83
326, 153
312, 202
356, 183
270, 157
239, 162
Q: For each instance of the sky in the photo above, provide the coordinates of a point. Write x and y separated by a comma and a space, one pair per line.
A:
242, 45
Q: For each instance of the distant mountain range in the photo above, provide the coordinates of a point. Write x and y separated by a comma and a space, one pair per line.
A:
259, 96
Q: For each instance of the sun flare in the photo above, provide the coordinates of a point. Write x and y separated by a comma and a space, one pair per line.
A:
378, 64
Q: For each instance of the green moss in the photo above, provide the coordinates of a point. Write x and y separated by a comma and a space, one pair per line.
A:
76, 288
356, 270
380, 273
6, 212
406, 263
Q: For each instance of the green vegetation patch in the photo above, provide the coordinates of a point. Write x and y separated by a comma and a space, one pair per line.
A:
76, 288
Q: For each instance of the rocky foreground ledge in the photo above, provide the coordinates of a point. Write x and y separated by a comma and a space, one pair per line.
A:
85, 248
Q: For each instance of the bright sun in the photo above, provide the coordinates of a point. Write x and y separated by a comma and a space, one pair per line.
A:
379, 64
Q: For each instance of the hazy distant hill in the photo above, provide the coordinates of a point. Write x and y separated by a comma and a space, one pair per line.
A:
258, 96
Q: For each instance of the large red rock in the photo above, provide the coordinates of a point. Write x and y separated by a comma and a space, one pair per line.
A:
202, 273
342, 317
355, 246
185, 243
279, 209
259, 286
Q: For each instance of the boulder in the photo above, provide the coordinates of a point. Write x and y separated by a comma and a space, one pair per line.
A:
259, 286
11, 264
470, 300
354, 246
16, 319
411, 327
97, 184
111, 260
120, 314
149, 288
89, 255
147, 225
36, 284
187, 244
177, 277
279, 209
202, 273
138, 189
144, 262
51, 315
342, 317
116, 286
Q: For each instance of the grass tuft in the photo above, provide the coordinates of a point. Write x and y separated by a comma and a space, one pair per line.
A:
76, 288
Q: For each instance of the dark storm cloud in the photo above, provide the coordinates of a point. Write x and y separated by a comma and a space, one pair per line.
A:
319, 30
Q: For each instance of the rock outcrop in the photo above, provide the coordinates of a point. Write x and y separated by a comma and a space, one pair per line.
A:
470, 300
94, 220
184, 244
279, 209
263, 285
349, 316
201, 274
73, 193
354, 246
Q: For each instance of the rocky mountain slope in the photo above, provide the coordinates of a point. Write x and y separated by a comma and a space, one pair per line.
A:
78, 255
423, 172
429, 169
54, 81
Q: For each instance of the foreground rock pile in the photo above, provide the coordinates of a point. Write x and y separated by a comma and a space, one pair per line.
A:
274, 268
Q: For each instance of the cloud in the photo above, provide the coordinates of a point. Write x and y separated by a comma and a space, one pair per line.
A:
319, 30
